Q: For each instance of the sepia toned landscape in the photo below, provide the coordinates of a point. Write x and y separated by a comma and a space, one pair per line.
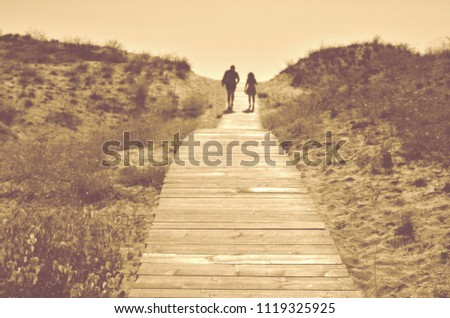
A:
58, 108
371, 223
388, 209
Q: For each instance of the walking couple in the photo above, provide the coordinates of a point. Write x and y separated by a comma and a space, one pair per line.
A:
230, 80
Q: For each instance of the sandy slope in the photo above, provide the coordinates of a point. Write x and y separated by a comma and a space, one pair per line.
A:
363, 205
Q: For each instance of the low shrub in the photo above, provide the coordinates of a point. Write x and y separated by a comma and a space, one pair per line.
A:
140, 95
137, 64
113, 52
62, 252
143, 176
66, 251
82, 68
182, 68
110, 105
405, 229
420, 183
167, 105
64, 119
5, 132
132, 176
292, 119
157, 176
383, 81
94, 187
90, 80
72, 76
386, 160
29, 75
28, 103
96, 96
107, 71
8, 114
193, 106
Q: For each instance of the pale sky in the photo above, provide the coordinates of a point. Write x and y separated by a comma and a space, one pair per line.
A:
255, 35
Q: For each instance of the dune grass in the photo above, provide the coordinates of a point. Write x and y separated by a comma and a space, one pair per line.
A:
380, 82
66, 218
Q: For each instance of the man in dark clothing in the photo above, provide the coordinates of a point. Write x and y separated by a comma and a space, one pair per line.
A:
230, 79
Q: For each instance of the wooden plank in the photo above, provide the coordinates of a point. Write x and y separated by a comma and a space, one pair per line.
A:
316, 270
273, 202
289, 199
267, 215
173, 177
262, 234
228, 194
265, 259
227, 175
196, 239
236, 249
274, 208
273, 212
234, 206
222, 152
220, 147
194, 161
242, 173
238, 163
228, 216
243, 293
230, 184
240, 225
236, 283
239, 231
235, 190
235, 132
236, 160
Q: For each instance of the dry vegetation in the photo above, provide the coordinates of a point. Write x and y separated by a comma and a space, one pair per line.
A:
69, 226
388, 210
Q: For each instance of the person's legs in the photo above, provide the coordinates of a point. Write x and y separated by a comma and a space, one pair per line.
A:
253, 99
229, 98
232, 99
249, 101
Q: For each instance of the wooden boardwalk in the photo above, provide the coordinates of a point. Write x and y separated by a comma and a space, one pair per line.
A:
237, 231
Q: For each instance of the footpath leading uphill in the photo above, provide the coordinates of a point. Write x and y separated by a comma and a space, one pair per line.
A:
224, 229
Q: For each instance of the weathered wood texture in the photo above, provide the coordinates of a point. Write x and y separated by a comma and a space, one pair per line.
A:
232, 230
